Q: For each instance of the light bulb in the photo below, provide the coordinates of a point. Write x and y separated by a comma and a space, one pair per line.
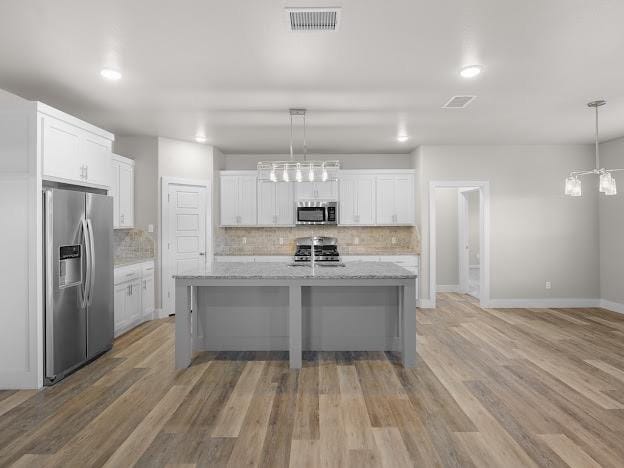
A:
273, 177
298, 177
285, 177
311, 174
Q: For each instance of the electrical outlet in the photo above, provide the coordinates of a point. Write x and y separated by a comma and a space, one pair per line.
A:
356, 240
244, 241
394, 240
281, 241
548, 285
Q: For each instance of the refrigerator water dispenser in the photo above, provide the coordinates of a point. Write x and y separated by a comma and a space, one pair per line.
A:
70, 266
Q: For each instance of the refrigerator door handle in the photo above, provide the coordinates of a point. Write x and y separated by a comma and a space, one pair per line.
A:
92, 255
87, 276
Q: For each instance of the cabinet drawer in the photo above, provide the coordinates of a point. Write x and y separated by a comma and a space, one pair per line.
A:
147, 268
125, 274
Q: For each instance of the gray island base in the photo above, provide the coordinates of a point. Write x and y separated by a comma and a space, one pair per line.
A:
363, 306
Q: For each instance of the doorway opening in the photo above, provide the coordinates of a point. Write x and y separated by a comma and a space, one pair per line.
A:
459, 239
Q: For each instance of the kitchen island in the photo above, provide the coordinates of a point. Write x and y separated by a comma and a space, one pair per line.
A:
362, 306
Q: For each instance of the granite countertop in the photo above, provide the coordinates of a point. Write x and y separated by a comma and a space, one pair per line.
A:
272, 270
120, 262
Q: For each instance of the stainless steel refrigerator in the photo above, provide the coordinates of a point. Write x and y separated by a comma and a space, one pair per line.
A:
78, 276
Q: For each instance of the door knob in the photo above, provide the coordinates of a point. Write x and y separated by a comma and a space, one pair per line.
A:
202, 253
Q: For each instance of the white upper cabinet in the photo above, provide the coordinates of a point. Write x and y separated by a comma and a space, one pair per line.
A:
238, 199
61, 150
122, 190
73, 151
317, 190
275, 203
357, 199
395, 199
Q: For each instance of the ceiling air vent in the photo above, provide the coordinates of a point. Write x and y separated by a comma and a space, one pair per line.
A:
458, 102
313, 19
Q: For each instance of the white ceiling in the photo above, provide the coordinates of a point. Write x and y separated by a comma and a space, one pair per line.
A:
231, 69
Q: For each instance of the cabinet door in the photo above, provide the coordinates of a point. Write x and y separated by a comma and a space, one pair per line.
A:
385, 200
133, 303
305, 190
229, 197
247, 204
126, 195
266, 202
61, 150
326, 190
147, 295
284, 204
97, 155
114, 192
404, 199
365, 210
348, 200
119, 299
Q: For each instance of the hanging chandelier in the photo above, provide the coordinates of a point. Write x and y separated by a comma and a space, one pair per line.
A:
298, 170
607, 185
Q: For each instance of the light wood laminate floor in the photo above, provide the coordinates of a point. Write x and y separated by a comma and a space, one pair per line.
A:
494, 387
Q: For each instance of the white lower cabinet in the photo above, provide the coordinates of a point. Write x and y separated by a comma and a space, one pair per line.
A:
133, 295
147, 292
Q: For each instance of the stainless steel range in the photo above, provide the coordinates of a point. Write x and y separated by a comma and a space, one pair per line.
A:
325, 250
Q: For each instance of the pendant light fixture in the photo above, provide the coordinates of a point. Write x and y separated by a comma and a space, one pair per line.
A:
607, 185
286, 171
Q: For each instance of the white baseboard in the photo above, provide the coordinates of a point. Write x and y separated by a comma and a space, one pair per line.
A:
447, 288
612, 306
549, 303
425, 304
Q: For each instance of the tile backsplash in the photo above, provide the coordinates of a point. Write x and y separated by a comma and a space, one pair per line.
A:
132, 243
352, 240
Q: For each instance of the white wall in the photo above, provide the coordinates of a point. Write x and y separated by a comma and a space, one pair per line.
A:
611, 226
21, 286
447, 232
347, 161
537, 233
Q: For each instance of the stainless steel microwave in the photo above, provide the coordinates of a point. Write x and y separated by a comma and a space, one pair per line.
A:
316, 212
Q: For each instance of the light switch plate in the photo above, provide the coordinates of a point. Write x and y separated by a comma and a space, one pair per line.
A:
150, 228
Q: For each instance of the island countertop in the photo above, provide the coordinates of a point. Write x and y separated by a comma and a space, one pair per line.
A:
272, 270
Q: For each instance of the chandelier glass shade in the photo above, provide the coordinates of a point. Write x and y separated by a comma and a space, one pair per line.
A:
606, 184
298, 170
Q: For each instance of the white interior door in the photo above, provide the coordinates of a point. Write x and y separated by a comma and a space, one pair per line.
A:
184, 248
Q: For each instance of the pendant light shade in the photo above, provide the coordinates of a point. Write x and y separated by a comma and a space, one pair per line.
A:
573, 187
607, 183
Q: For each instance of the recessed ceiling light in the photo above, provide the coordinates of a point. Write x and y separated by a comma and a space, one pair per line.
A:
201, 139
402, 138
470, 71
110, 74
